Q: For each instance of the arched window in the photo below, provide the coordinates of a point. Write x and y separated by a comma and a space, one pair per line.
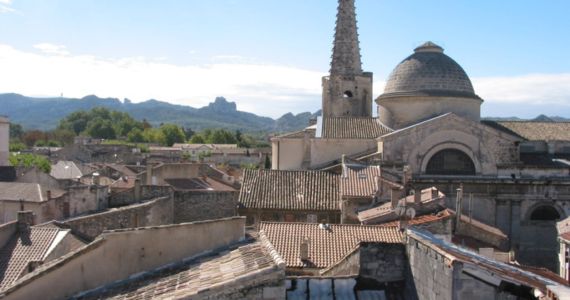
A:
450, 162
545, 213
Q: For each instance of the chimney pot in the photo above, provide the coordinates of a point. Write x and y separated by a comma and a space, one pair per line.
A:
25, 220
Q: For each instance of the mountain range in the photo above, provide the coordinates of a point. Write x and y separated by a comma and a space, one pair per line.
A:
45, 113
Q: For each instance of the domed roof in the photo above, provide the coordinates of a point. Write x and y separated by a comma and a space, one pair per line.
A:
429, 72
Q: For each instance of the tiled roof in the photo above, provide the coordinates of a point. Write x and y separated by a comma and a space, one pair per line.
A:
385, 211
359, 180
326, 246
26, 191
22, 249
202, 274
299, 134
198, 184
423, 219
353, 128
535, 131
289, 190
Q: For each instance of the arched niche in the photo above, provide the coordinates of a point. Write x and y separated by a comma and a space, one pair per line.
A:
545, 212
450, 159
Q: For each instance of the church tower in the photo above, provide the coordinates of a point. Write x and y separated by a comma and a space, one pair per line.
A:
347, 91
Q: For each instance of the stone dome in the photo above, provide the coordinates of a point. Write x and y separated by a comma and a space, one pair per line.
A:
429, 72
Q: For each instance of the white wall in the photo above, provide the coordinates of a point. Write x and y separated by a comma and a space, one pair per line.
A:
4, 141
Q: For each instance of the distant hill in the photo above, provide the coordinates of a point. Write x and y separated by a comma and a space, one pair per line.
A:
540, 118
45, 113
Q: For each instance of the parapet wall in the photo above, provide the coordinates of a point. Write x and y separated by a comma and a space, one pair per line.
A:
119, 254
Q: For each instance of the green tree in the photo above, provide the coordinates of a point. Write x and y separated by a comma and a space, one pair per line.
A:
267, 162
135, 136
197, 139
154, 135
16, 131
101, 128
30, 160
172, 134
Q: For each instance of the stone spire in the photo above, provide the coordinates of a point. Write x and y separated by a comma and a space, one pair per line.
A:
346, 49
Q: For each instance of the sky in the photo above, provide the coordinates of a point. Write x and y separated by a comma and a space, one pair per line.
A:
269, 56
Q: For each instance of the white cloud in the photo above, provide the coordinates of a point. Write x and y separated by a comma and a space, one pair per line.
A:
264, 89
536, 89
260, 88
5, 9
52, 49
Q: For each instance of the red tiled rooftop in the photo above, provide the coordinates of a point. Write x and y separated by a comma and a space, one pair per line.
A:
326, 246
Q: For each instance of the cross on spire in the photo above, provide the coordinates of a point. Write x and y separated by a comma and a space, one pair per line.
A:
346, 49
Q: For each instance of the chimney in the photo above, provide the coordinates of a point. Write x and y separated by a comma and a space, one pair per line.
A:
304, 251
418, 196
48, 195
148, 173
395, 196
25, 220
434, 193
137, 189
96, 178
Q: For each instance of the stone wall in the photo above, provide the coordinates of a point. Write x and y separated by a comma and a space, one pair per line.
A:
382, 262
190, 206
152, 213
116, 255
430, 275
133, 195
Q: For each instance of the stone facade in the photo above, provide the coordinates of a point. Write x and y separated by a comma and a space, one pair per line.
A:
4, 141
204, 205
152, 213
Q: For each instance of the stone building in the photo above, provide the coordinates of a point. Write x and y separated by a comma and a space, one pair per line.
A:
516, 173
4, 141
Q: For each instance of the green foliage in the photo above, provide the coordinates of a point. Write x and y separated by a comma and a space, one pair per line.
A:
249, 166
172, 134
30, 160
17, 147
101, 128
197, 139
203, 155
267, 162
135, 136
154, 135
16, 131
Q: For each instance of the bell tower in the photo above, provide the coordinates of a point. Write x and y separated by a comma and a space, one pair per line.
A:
347, 91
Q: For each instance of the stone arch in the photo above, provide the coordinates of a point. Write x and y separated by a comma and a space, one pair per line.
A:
545, 212
451, 147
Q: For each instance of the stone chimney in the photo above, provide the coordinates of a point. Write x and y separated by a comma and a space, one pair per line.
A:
417, 196
96, 178
137, 189
434, 193
25, 220
395, 196
148, 173
48, 194
304, 250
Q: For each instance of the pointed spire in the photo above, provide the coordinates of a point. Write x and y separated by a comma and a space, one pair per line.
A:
346, 49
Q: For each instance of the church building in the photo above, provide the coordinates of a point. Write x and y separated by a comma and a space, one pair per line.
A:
517, 173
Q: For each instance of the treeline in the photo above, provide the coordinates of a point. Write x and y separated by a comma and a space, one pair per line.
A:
111, 125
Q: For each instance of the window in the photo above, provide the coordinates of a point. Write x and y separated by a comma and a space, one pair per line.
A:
450, 162
545, 213
347, 94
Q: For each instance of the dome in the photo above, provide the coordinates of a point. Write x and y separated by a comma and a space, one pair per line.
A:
429, 72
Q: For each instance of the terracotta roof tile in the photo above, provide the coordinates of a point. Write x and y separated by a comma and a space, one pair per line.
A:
26, 191
198, 184
536, 131
22, 249
326, 246
290, 190
359, 180
353, 128
189, 279
424, 219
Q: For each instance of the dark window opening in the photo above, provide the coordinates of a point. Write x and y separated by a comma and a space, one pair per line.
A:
347, 94
545, 213
450, 162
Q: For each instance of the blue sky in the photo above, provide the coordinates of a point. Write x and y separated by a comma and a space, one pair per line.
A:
268, 55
